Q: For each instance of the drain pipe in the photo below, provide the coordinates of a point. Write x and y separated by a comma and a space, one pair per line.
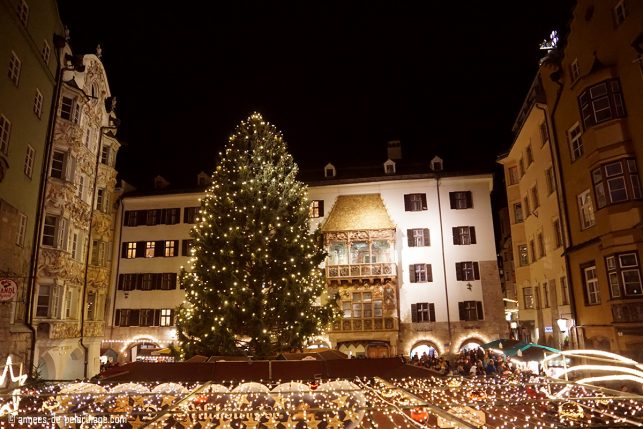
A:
444, 262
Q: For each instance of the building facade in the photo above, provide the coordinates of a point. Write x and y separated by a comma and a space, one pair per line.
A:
536, 227
412, 257
27, 87
594, 88
76, 236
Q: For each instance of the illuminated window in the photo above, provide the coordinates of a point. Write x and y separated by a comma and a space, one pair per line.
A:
167, 317
131, 250
528, 297
316, 208
170, 248
150, 247
91, 305
586, 210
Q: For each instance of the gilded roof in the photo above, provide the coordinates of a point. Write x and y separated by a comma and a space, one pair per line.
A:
358, 212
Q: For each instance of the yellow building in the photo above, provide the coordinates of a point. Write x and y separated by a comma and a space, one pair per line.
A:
536, 228
27, 85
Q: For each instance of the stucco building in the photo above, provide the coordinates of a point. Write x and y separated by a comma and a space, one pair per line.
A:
29, 54
410, 251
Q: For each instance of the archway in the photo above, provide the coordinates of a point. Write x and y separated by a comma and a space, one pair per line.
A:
422, 347
142, 350
46, 367
470, 344
73, 367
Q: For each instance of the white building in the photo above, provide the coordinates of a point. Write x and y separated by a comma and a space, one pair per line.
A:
411, 255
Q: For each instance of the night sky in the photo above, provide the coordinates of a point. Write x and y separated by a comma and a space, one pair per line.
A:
338, 79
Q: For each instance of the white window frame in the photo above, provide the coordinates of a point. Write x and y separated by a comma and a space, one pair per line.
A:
166, 317
620, 13
29, 161
46, 51
591, 285
52, 304
37, 104
574, 135
56, 232
5, 134
150, 247
170, 248
22, 229
131, 250
586, 209
574, 70
70, 110
15, 65
65, 169
23, 12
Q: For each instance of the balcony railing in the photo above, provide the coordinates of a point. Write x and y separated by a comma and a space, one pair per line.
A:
383, 269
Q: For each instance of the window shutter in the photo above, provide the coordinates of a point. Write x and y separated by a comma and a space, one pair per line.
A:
172, 317
469, 200
456, 236
414, 313
139, 282
427, 237
463, 315
117, 317
476, 271
321, 208
472, 233
124, 250
479, 308
159, 248
141, 217
432, 312
157, 317
429, 273
409, 236
176, 248
412, 273
173, 277
424, 204
120, 281
407, 203
140, 249
133, 319
458, 271
452, 199
156, 281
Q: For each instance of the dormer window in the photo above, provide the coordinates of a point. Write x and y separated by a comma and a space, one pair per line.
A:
436, 164
203, 179
389, 167
329, 170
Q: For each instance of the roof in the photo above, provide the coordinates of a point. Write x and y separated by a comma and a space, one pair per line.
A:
358, 212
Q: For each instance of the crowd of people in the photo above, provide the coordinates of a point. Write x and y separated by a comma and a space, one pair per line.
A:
472, 362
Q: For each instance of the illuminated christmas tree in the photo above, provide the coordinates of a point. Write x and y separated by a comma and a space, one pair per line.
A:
255, 282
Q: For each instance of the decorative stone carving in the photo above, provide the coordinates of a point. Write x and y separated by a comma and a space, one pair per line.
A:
61, 330
93, 328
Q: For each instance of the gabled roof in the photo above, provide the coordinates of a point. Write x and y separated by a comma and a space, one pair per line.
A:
358, 212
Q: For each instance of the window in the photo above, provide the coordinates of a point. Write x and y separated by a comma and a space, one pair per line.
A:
575, 141
463, 235
29, 160
14, 68
146, 317
467, 271
190, 214
46, 51
620, 13
170, 248
590, 280
521, 166
602, 102
131, 218
168, 281
415, 202
550, 179
362, 305
574, 70
418, 237
624, 270
470, 310
523, 255
530, 155
526, 206
167, 317
316, 208
552, 290
149, 249
5, 132
389, 167
37, 103
152, 218
541, 245
44, 300
532, 249
91, 305
420, 273
329, 170
23, 12
187, 247
54, 232
528, 297
70, 110
102, 200
75, 245
105, 155
69, 304
98, 253
63, 166
461, 200
544, 132
558, 233
513, 175
564, 290
130, 250
518, 213
534, 196
423, 312
22, 229
545, 295
586, 210
617, 180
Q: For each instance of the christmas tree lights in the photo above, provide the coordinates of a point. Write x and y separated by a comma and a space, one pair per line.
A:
255, 283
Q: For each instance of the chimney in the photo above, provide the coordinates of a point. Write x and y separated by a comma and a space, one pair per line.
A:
394, 150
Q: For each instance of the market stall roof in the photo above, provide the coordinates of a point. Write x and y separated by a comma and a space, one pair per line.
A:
502, 344
529, 351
